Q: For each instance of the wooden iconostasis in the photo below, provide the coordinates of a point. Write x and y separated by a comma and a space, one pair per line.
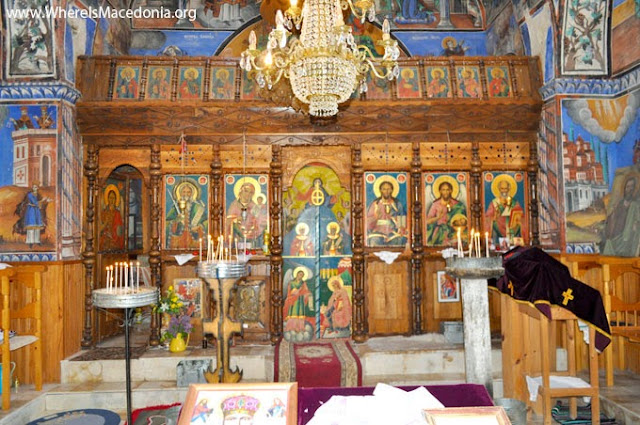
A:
340, 208
344, 218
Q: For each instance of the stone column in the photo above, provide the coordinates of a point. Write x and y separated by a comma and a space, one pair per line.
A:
473, 273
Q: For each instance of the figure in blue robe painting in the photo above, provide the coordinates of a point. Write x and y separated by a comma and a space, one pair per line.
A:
32, 213
414, 12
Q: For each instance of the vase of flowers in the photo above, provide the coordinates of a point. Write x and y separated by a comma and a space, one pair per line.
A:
177, 319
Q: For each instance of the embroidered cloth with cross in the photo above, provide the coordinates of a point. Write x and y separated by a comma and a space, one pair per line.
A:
534, 276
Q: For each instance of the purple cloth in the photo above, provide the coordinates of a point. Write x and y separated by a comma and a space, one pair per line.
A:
540, 279
460, 395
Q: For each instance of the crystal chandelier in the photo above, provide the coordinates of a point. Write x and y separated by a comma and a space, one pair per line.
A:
324, 64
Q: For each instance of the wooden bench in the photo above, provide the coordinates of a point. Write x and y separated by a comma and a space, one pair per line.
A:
21, 292
622, 303
546, 392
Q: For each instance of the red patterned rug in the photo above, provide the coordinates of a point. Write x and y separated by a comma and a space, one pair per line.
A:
326, 363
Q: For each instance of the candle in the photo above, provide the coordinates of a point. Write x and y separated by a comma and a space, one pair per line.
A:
110, 278
200, 259
131, 274
126, 274
486, 242
235, 241
459, 241
138, 275
478, 244
471, 242
107, 283
117, 272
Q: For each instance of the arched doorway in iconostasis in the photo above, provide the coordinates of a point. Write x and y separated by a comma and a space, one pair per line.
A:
317, 282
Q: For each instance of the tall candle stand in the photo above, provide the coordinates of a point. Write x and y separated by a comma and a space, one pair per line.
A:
221, 276
474, 273
127, 295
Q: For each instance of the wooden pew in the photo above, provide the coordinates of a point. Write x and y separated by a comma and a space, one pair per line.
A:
622, 302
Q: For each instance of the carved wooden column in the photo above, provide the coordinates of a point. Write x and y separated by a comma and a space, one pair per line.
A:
532, 171
216, 183
89, 254
275, 200
359, 314
154, 252
416, 240
476, 180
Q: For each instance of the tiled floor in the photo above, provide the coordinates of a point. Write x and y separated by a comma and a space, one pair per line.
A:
621, 401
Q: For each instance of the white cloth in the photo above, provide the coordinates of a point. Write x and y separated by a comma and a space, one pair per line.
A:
183, 258
387, 256
534, 384
387, 405
4, 266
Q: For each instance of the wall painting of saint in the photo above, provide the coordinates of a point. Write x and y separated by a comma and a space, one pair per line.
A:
438, 82
409, 83
246, 200
111, 233
446, 208
469, 81
386, 203
127, 82
186, 211
498, 81
504, 208
159, 82
190, 83
223, 81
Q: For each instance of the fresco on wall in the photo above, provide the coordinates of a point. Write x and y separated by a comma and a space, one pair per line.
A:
584, 42
539, 25
113, 37
503, 36
451, 43
317, 256
29, 42
186, 212
625, 26
205, 14
601, 150
78, 40
446, 205
386, 209
27, 179
549, 176
177, 43
504, 208
246, 211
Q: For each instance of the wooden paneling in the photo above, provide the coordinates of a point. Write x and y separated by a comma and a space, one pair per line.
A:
387, 292
62, 304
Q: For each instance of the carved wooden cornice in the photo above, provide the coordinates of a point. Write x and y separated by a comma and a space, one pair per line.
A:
106, 121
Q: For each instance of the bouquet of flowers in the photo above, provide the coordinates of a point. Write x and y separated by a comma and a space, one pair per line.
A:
179, 315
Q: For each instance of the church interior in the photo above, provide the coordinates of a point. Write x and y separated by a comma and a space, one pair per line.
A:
432, 192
